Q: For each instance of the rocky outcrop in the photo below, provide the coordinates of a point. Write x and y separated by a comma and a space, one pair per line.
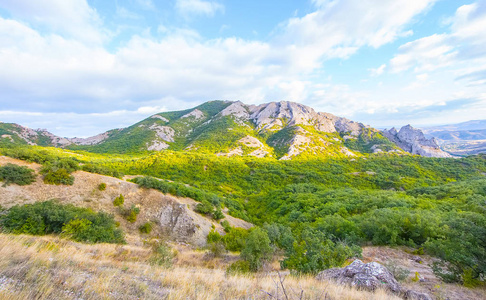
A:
159, 117
157, 146
236, 109
414, 141
276, 115
165, 133
196, 114
94, 140
370, 276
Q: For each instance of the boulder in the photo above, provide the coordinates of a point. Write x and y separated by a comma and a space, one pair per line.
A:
413, 295
370, 276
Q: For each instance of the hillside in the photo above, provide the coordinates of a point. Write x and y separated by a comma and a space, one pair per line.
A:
155, 207
319, 212
283, 130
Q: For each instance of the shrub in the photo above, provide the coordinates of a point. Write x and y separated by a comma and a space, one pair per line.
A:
204, 208
102, 186
162, 255
79, 224
57, 176
238, 267
257, 249
217, 214
234, 240
20, 175
226, 226
214, 237
131, 213
119, 201
216, 249
146, 228
316, 252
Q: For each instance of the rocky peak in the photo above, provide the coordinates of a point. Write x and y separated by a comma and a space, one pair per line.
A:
196, 114
236, 109
414, 141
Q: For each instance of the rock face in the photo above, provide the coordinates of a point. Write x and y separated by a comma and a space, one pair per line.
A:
370, 276
414, 141
275, 115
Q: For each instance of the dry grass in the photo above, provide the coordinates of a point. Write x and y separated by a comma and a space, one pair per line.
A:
52, 268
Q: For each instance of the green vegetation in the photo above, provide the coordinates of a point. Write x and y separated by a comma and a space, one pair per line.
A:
79, 224
257, 249
325, 208
102, 186
146, 228
119, 201
19, 175
57, 176
131, 213
162, 254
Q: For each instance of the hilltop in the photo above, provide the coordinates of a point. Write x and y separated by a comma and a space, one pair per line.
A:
283, 130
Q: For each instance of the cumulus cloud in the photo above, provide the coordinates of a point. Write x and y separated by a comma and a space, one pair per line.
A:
465, 43
198, 7
61, 70
378, 71
340, 28
69, 18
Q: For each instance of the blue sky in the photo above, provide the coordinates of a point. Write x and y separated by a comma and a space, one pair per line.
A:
80, 67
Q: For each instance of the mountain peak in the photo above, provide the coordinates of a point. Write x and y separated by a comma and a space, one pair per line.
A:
282, 129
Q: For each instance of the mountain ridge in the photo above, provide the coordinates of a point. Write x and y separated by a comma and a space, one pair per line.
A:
284, 130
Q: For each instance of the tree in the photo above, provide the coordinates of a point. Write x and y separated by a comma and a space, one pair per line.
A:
257, 249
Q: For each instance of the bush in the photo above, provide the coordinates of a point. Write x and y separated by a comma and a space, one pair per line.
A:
257, 249
214, 237
226, 226
119, 201
146, 228
20, 175
234, 240
316, 252
131, 213
162, 255
218, 214
102, 186
238, 267
204, 208
216, 249
57, 176
79, 224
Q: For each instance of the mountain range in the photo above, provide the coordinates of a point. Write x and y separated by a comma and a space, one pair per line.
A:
462, 139
283, 130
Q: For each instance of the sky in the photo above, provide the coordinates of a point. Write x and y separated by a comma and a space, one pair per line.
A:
81, 67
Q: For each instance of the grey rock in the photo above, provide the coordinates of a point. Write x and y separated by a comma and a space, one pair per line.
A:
370, 276
413, 295
414, 141
417, 259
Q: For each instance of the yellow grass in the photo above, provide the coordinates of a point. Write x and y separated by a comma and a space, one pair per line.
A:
52, 268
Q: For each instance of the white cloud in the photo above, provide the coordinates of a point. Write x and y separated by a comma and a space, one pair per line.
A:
198, 7
70, 18
340, 28
378, 71
55, 72
465, 43
426, 54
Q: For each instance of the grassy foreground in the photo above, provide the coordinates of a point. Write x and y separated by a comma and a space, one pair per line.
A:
52, 268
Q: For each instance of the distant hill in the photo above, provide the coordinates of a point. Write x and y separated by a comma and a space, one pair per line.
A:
283, 130
460, 139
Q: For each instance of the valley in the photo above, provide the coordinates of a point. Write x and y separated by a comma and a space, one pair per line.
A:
241, 201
